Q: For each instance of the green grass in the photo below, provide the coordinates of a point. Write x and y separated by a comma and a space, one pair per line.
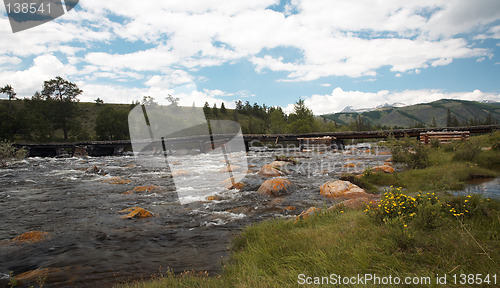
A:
444, 170
273, 253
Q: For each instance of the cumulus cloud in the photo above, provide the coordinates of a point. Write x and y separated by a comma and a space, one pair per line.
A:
45, 67
339, 99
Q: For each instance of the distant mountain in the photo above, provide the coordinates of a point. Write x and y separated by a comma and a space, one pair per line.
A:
386, 105
400, 115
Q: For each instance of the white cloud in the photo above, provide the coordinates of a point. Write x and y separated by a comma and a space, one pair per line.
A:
187, 94
45, 67
336, 38
339, 99
163, 42
6, 60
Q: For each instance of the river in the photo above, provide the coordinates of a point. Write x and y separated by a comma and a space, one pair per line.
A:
91, 245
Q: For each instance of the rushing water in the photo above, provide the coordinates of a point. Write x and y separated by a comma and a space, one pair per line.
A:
90, 245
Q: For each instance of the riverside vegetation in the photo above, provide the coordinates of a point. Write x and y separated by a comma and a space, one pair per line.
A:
417, 229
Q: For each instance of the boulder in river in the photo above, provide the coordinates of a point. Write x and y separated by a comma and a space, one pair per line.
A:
136, 212
269, 171
384, 168
275, 187
341, 188
278, 164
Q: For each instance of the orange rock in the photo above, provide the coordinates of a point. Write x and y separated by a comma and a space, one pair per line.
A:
31, 237
388, 160
269, 171
237, 186
387, 164
116, 180
384, 153
146, 189
349, 165
66, 275
275, 187
384, 168
341, 188
309, 212
290, 208
278, 164
136, 212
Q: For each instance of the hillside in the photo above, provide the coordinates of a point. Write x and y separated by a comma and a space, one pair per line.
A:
465, 112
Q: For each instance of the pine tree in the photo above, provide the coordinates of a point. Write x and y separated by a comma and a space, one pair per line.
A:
206, 110
215, 111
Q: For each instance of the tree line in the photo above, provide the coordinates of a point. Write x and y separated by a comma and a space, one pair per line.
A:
55, 114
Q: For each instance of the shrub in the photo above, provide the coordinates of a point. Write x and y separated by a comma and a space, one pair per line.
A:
9, 152
410, 152
435, 143
466, 151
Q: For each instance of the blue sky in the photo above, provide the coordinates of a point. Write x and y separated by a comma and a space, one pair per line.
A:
332, 54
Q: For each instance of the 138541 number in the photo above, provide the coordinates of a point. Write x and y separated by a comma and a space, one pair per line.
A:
28, 8
472, 279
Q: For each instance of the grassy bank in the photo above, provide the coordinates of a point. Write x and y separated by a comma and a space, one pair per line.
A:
274, 253
409, 234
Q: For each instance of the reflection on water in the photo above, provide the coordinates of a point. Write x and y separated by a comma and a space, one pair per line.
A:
488, 187
89, 243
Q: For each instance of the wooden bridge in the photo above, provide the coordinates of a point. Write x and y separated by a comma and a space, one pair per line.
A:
109, 148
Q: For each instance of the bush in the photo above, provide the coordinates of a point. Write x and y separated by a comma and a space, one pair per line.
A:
466, 151
410, 152
9, 152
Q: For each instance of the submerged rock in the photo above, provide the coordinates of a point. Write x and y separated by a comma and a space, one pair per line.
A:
275, 187
145, 189
180, 172
230, 167
31, 237
66, 274
116, 180
136, 212
341, 188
